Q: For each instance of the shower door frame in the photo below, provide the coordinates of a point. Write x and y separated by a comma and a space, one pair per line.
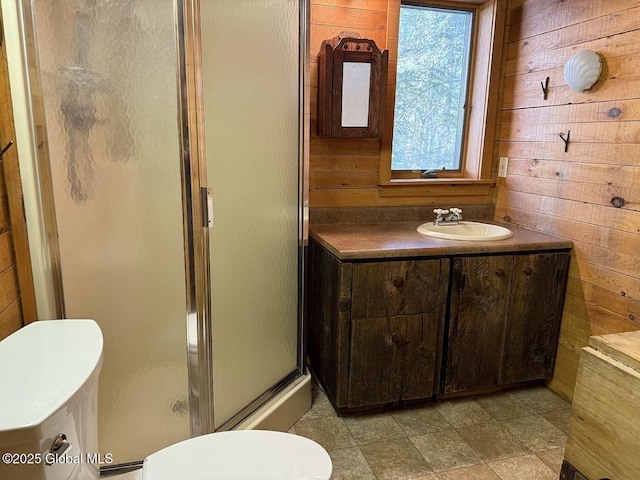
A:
199, 318
198, 322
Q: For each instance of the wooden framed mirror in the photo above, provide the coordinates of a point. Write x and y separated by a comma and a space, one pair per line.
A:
352, 82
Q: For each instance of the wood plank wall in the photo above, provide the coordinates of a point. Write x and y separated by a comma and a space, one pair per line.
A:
570, 194
17, 294
343, 172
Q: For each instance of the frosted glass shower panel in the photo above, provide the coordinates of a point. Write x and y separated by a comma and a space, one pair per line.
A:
251, 75
108, 78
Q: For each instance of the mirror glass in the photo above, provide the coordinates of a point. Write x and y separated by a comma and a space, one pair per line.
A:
356, 81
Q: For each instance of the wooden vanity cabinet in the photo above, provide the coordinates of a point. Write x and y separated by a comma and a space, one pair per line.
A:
375, 328
386, 331
504, 320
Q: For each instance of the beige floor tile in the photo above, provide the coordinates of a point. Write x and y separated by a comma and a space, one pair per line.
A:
503, 406
420, 420
559, 418
535, 432
395, 460
463, 412
320, 407
373, 427
330, 432
492, 442
350, 464
445, 450
552, 458
475, 472
527, 467
541, 399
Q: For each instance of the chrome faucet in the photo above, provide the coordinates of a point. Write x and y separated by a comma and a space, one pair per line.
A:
453, 216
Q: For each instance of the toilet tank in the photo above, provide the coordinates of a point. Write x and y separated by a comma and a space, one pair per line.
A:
48, 401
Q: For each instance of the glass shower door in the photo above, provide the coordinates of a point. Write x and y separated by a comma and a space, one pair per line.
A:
107, 72
250, 59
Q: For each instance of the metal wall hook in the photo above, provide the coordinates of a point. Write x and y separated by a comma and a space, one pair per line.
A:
566, 140
545, 88
7, 146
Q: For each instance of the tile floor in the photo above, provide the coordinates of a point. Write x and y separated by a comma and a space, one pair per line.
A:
515, 435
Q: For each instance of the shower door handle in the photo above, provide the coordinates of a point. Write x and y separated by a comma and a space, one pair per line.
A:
207, 207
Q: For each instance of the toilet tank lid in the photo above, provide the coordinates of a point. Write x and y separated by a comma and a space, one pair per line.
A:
42, 365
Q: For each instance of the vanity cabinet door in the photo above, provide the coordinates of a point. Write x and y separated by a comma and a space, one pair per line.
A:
504, 319
534, 316
393, 359
397, 313
479, 304
385, 289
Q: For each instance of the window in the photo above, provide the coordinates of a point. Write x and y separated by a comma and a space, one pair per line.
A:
480, 31
431, 88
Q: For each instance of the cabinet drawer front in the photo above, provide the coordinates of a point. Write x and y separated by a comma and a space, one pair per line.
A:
385, 289
393, 359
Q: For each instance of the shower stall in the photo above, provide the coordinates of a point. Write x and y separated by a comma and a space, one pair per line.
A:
163, 152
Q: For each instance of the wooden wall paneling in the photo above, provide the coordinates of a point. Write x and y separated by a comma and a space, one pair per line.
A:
341, 173
565, 372
337, 176
570, 193
16, 281
615, 23
589, 153
600, 251
599, 215
7, 257
600, 194
371, 198
575, 332
625, 285
11, 319
8, 287
532, 18
580, 308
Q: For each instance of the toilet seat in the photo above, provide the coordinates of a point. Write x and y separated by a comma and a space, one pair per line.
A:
240, 455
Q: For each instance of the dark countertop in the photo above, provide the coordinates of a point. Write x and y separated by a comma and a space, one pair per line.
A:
363, 241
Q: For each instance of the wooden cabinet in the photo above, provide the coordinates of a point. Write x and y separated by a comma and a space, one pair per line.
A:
604, 430
479, 305
396, 311
504, 319
389, 331
375, 328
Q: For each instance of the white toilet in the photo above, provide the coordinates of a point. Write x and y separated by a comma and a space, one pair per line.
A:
48, 420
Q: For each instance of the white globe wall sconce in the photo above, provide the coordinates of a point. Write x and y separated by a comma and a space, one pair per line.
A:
582, 70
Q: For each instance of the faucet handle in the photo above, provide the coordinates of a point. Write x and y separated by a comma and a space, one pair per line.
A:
455, 210
440, 211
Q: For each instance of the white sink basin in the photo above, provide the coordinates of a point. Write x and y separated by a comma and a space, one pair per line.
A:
469, 231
